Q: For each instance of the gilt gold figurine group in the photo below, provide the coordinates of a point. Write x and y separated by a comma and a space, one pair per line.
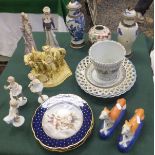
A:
48, 65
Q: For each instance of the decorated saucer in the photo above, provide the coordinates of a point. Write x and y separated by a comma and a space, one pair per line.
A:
63, 122
86, 79
91, 76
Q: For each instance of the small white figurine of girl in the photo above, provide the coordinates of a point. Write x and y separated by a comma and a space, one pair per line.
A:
37, 87
15, 91
13, 117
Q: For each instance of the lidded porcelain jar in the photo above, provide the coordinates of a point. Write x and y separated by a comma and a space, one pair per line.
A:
127, 30
99, 33
75, 23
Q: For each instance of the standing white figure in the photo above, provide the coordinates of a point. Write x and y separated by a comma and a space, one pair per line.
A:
13, 117
48, 23
27, 34
37, 87
15, 91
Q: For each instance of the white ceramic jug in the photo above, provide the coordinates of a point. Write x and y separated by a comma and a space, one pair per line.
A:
127, 30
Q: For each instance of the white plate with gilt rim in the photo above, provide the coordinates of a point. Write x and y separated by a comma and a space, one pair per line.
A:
124, 83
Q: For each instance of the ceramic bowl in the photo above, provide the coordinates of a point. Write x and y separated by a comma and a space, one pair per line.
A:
107, 57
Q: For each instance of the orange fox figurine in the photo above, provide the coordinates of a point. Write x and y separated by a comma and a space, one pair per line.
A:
116, 110
111, 118
131, 130
134, 122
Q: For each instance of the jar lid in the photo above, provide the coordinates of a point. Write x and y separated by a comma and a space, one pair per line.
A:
129, 14
73, 5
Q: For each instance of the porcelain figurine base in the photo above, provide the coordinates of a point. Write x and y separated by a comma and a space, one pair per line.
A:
130, 131
105, 135
58, 77
42, 99
20, 121
7, 119
77, 45
121, 148
22, 101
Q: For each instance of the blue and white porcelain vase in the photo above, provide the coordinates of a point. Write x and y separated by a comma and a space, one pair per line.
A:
75, 23
127, 30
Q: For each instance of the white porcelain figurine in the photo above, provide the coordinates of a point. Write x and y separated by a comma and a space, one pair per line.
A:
15, 91
37, 87
13, 117
111, 118
26, 29
127, 30
131, 131
48, 26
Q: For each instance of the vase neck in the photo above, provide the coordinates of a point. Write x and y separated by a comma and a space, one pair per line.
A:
129, 17
129, 22
74, 12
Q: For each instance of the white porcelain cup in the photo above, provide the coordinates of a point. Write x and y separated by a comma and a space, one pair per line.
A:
107, 57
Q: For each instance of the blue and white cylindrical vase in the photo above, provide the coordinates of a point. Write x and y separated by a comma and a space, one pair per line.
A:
127, 30
75, 23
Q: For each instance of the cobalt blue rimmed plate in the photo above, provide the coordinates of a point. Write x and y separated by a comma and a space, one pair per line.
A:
62, 122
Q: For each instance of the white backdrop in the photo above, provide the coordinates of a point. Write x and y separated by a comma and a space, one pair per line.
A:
10, 32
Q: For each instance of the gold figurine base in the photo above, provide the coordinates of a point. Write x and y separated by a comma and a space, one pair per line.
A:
57, 78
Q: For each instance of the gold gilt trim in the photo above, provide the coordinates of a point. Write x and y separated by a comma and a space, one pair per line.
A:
70, 148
